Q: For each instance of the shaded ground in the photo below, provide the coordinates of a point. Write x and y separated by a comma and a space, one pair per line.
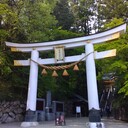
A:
72, 123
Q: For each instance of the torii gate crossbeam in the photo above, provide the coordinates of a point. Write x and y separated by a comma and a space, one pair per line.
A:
88, 42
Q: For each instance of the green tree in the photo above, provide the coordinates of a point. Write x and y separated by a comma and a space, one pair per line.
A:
83, 11
63, 15
29, 21
114, 22
21, 21
37, 21
110, 9
8, 20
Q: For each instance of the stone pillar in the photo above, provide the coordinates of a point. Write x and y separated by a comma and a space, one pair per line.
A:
49, 109
48, 99
93, 102
31, 115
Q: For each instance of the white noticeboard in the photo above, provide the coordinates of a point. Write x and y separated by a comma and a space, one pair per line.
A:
78, 109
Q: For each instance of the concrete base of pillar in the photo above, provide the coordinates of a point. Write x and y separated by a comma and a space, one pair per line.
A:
95, 125
29, 124
94, 115
31, 116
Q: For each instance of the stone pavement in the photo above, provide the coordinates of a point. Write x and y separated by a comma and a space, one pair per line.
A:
80, 122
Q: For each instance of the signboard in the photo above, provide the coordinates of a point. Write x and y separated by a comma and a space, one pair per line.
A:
59, 53
78, 109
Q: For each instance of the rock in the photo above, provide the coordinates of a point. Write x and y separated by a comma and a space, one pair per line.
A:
9, 119
11, 114
4, 117
19, 117
11, 111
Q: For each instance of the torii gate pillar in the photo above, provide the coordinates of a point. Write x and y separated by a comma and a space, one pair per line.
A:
32, 90
93, 102
31, 115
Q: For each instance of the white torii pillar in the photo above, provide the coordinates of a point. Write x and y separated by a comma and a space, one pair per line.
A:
93, 101
31, 115
32, 90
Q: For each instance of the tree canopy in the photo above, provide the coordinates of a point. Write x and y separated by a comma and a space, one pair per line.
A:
63, 14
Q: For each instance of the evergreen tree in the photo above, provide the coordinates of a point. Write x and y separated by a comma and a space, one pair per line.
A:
63, 15
21, 21
110, 9
84, 11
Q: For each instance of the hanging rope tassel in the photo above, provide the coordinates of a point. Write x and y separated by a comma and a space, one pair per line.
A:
76, 68
44, 72
54, 74
65, 73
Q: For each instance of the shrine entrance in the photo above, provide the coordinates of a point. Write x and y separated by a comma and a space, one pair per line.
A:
59, 46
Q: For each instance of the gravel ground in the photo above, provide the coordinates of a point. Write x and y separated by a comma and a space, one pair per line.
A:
80, 122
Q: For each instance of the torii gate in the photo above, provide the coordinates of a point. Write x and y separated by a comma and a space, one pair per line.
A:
87, 42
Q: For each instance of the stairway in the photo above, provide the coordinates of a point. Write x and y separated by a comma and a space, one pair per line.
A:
106, 99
